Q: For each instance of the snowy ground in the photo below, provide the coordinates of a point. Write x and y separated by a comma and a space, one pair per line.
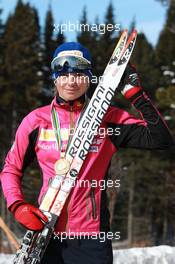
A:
148, 255
154, 255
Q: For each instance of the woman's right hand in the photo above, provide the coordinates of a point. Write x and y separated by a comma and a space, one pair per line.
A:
28, 215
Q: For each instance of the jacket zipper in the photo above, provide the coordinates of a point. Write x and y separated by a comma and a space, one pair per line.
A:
93, 201
71, 126
72, 121
88, 211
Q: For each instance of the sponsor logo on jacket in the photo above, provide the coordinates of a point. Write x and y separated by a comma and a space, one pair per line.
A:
49, 135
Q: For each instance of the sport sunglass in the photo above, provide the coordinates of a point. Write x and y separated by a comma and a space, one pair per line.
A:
78, 63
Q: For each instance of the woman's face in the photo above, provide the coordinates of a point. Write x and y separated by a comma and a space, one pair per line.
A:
71, 86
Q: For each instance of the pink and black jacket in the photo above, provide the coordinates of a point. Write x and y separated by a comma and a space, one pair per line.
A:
86, 209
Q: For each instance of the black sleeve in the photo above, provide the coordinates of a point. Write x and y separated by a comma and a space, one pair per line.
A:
152, 135
30, 151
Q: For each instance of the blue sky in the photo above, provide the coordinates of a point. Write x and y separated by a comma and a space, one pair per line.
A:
149, 14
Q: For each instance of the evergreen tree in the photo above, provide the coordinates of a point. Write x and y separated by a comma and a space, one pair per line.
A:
21, 70
165, 50
107, 40
165, 95
48, 36
48, 49
51, 41
165, 2
143, 58
21, 65
165, 55
132, 25
60, 39
147, 182
88, 37
1, 36
1, 47
84, 36
2, 110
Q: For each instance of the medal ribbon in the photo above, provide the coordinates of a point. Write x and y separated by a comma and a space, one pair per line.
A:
57, 128
57, 131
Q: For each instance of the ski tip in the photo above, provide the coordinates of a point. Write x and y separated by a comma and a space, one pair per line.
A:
125, 31
134, 32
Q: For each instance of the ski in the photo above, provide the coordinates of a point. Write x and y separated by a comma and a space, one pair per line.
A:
34, 244
91, 121
56, 183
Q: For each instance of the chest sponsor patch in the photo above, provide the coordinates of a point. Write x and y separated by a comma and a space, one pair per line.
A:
48, 134
97, 141
93, 149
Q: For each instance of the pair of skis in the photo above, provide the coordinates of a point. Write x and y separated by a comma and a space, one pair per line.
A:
34, 244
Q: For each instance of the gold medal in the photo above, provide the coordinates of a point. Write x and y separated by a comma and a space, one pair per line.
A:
62, 166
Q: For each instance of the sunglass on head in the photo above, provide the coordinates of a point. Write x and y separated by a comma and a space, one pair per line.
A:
59, 63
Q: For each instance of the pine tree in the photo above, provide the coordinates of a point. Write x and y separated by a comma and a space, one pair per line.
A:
1, 47
53, 37
88, 37
165, 55
48, 36
60, 39
165, 2
132, 25
48, 49
165, 50
143, 58
107, 40
22, 69
84, 36
3, 117
3, 141
1, 34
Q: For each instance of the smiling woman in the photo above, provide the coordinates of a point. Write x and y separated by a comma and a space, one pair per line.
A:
71, 66
71, 86
85, 211
46, 132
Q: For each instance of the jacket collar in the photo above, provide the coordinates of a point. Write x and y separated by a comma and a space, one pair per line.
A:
70, 105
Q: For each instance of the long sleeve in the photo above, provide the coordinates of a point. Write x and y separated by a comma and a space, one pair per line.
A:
20, 155
149, 132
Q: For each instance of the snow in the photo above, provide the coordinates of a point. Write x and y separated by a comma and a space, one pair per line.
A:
167, 117
170, 73
6, 259
172, 105
148, 255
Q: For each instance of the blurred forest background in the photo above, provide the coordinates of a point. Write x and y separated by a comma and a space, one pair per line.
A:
143, 208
